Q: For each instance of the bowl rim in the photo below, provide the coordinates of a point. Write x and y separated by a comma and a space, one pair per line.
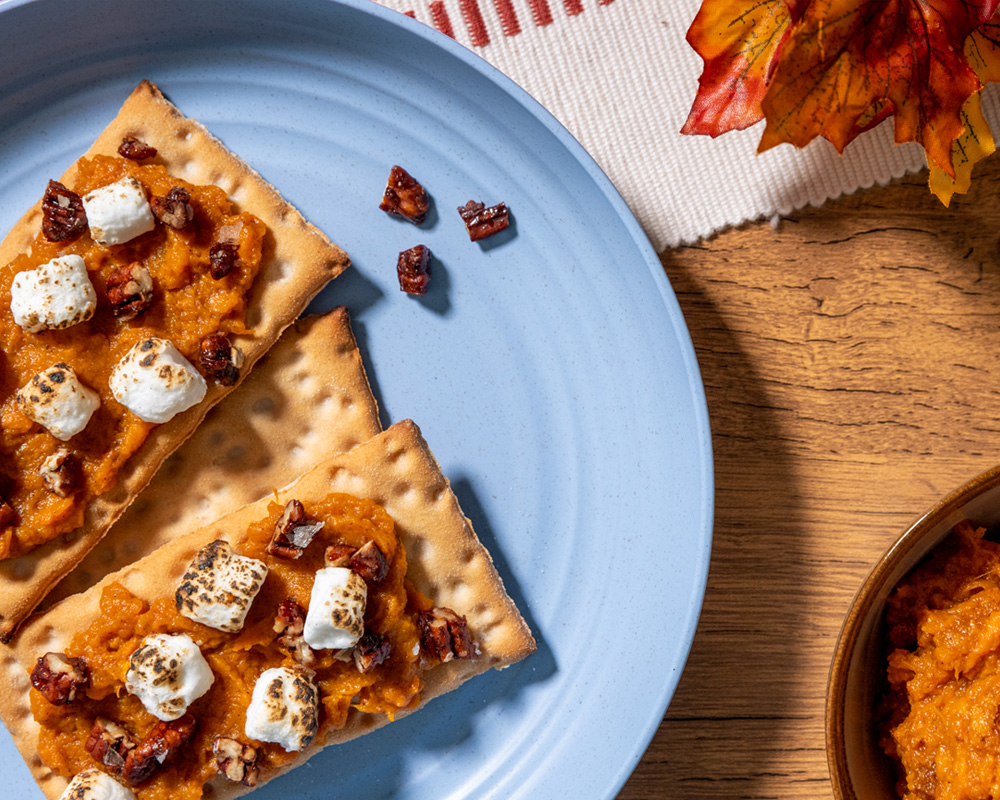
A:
861, 607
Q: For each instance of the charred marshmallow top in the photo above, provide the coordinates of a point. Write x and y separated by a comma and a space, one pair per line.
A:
168, 673
56, 295
118, 212
219, 587
92, 784
57, 401
284, 709
155, 382
336, 616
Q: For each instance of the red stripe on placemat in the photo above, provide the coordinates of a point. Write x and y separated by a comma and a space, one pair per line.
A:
439, 16
573, 7
541, 12
508, 17
605, 2
411, 14
474, 23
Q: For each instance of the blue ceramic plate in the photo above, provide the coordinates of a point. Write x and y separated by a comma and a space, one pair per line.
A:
549, 367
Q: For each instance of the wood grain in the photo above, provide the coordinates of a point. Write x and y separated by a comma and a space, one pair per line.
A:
851, 361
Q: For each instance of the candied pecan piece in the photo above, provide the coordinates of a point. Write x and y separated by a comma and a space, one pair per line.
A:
404, 196
289, 623
165, 739
63, 214
445, 635
370, 562
109, 744
175, 209
58, 677
481, 221
130, 290
413, 268
293, 531
338, 555
221, 259
371, 650
61, 473
235, 760
135, 149
220, 359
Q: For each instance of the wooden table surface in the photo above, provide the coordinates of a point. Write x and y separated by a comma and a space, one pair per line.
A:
851, 362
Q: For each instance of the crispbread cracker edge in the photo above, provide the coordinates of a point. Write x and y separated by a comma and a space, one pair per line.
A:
298, 261
447, 563
307, 399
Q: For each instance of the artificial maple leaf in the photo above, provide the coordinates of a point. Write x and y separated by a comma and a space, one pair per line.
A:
738, 42
844, 56
982, 50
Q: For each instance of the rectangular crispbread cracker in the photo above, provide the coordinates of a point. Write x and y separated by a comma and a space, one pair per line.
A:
446, 562
298, 261
307, 399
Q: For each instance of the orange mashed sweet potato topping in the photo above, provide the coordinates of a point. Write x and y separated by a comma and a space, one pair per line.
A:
941, 711
188, 304
238, 659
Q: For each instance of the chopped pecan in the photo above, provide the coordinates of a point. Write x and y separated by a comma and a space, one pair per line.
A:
338, 555
413, 268
481, 221
220, 359
58, 677
130, 290
221, 259
235, 760
370, 562
109, 744
371, 650
135, 149
165, 739
289, 623
61, 473
175, 209
293, 531
63, 214
404, 196
445, 635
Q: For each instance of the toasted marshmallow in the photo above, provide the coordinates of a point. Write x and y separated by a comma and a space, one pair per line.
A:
219, 587
284, 709
92, 784
336, 616
56, 295
168, 673
155, 382
118, 212
57, 401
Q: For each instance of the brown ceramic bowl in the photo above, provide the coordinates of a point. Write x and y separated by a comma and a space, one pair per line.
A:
858, 768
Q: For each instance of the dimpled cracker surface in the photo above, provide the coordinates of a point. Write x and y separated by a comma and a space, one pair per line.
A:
307, 399
446, 562
298, 261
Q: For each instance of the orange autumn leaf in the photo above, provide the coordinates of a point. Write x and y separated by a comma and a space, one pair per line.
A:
845, 55
738, 42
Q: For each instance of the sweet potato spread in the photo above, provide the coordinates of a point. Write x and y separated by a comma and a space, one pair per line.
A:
940, 721
188, 304
238, 659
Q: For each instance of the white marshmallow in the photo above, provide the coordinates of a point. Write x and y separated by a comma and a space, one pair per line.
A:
118, 212
92, 784
155, 382
168, 673
284, 709
219, 587
57, 401
336, 616
56, 295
